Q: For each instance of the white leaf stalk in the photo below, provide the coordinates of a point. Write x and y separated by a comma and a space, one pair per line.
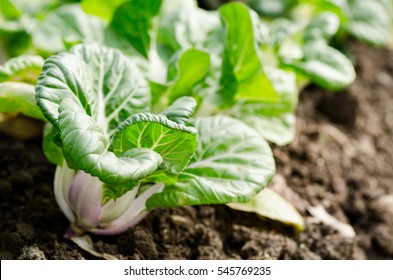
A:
79, 196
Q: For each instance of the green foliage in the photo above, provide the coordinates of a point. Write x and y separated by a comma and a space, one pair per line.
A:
17, 78
101, 8
67, 26
160, 103
19, 98
242, 57
133, 21
369, 21
231, 163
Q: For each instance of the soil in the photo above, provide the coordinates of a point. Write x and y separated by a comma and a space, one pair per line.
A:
341, 159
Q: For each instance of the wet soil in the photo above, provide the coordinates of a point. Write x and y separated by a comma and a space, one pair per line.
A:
342, 158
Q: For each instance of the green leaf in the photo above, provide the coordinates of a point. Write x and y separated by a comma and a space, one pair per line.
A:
181, 110
19, 98
25, 68
231, 164
325, 66
281, 29
272, 8
241, 57
157, 90
269, 204
67, 26
85, 147
370, 21
8, 10
34, 8
101, 8
86, 94
105, 82
21, 15
193, 66
174, 142
338, 7
324, 25
50, 146
133, 21
275, 120
366, 20
186, 26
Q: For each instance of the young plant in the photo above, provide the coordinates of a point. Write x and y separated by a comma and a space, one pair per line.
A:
368, 21
119, 161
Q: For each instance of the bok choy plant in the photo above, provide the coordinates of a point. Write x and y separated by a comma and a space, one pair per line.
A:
119, 161
369, 21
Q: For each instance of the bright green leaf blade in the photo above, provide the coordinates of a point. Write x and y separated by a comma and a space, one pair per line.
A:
193, 66
269, 204
133, 21
325, 66
231, 164
101, 8
181, 110
85, 147
106, 83
8, 9
157, 90
25, 68
67, 26
241, 56
176, 143
19, 98
34, 8
275, 120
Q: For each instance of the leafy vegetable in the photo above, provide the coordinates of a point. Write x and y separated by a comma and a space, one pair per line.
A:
97, 101
369, 21
303, 48
159, 103
324, 65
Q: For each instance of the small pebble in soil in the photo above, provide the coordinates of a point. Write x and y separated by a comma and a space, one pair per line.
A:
382, 208
31, 253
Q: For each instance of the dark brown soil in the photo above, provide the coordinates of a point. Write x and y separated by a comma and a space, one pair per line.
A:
341, 158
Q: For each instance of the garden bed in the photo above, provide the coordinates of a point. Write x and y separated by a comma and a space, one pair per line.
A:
341, 158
